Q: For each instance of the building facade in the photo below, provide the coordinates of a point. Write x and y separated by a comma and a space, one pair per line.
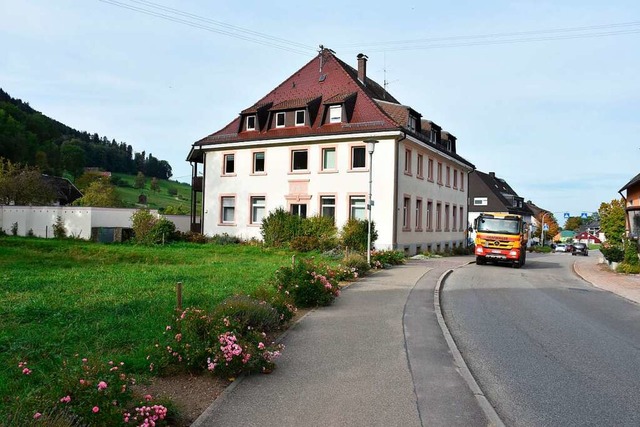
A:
305, 147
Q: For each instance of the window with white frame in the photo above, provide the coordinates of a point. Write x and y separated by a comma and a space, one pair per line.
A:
418, 214
251, 122
299, 160
280, 119
258, 206
228, 209
480, 201
300, 118
407, 161
357, 207
413, 123
298, 209
328, 206
358, 157
258, 162
335, 114
329, 158
229, 164
406, 213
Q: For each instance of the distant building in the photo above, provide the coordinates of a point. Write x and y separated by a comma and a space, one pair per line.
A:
65, 192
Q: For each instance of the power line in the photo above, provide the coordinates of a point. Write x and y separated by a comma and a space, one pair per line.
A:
191, 21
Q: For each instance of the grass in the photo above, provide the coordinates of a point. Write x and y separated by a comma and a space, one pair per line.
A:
155, 199
60, 298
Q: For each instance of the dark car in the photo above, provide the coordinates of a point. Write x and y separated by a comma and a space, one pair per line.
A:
580, 249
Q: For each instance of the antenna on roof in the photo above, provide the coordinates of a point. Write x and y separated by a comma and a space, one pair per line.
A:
385, 82
321, 56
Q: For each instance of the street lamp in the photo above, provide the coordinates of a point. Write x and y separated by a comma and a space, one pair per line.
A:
542, 228
371, 146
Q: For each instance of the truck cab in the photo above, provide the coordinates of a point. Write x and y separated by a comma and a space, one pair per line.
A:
500, 238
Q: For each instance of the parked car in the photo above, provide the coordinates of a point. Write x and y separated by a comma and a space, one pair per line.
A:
569, 247
580, 249
560, 247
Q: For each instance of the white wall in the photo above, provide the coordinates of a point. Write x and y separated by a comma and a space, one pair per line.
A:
78, 221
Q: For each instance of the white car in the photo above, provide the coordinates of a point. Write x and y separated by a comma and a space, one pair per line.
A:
560, 247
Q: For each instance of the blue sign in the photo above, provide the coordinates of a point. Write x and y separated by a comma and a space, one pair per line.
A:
566, 215
583, 215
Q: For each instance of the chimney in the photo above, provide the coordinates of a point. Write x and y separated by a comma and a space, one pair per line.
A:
492, 174
362, 68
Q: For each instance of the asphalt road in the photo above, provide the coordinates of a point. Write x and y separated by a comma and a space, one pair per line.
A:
547, 348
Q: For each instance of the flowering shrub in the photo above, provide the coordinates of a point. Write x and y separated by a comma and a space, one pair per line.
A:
85, 393
226, 345
380, 259
249, 313
308, 284
357, 262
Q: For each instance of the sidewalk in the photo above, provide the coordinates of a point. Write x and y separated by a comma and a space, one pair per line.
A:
359, 363
600, 276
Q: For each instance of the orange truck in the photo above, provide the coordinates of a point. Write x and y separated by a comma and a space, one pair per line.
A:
501, 238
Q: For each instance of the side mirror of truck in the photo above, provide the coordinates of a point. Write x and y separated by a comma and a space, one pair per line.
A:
470, 230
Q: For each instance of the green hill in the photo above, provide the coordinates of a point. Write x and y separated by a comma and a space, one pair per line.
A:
170, 193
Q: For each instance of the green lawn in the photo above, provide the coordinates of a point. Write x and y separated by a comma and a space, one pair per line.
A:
65, 297
155, 199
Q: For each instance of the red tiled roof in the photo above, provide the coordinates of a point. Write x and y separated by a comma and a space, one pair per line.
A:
293, 103
339, 98
399, 113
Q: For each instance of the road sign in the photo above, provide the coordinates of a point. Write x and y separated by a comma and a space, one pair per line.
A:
545, 227
583, 215
566, 215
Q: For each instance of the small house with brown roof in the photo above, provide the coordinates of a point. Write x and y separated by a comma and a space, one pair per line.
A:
304, 147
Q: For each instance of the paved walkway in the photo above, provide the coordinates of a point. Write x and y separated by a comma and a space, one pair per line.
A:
376, 357
599, 275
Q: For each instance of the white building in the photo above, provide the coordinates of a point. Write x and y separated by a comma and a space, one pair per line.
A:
304, 147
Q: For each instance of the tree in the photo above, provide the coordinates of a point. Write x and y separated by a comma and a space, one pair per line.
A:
154, 184
84, 181
140, 181
612, 220
573, 223
73, 157
550, 221
23, 185
100, 193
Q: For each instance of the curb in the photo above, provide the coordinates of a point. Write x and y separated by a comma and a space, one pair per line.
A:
489, 411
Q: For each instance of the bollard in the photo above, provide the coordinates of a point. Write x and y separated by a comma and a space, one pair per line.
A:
179, 296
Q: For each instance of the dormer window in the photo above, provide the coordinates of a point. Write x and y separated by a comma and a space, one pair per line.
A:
412, 123
433, 136
300, 118
335, 114
251, 122
280, 120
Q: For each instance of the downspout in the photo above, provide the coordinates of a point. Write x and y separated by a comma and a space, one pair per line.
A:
394, 238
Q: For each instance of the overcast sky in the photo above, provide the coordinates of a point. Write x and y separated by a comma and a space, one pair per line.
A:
546, 94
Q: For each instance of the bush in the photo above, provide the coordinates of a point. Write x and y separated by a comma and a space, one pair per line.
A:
198, 341
248, 313
323, 229
163, 231
387, 258
356, 261
282, 302
612, 253
631, 253
192, 237
309, 285
354, 234
225, 239
280, 227
305, 243
626, 268
14, 229
172, 191
143, 222
59, 230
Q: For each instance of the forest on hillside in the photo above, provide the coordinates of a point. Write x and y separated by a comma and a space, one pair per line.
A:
31, 138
